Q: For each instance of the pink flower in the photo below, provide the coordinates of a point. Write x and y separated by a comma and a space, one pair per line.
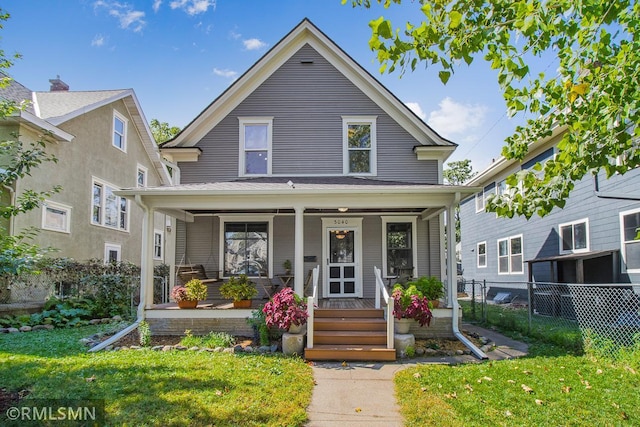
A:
284, 309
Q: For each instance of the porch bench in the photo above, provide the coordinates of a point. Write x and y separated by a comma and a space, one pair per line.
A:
193, 271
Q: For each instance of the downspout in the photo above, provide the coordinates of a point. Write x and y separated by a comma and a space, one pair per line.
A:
143, 288
614, 196
453, 297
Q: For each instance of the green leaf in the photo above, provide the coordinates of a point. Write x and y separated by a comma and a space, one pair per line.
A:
455, 18
444, 76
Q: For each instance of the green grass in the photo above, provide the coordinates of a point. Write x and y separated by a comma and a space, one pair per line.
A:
149, 388
211, 340
566, 390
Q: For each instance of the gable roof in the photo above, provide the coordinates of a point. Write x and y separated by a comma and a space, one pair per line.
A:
306, 33
60, 106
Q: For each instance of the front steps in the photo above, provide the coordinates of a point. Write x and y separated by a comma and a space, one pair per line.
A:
350, 334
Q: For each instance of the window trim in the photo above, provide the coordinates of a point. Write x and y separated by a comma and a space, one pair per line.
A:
480, 198
373, 158
125, 122
510, 255
244, 121
55, 205
145, 173
109, 247
478, 254
414, 239
246, 218
572, 224
157, 232
104, 184
623, 243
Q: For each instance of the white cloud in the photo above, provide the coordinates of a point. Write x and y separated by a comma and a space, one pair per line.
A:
253, 44
126, 15
453, 118
229, 74
156, 5
234, 35
193, 7
98, 40
415, 107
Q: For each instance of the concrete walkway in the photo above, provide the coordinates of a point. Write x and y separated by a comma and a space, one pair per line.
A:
362, 394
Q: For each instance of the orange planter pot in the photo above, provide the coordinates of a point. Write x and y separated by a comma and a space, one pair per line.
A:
187, 304
246, 303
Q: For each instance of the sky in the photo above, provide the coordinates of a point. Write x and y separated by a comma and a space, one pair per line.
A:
179, 55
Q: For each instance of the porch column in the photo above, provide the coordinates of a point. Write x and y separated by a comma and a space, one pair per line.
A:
146, 260
452, 288
299, 251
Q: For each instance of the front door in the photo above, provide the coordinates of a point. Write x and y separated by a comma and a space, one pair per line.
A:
343, 261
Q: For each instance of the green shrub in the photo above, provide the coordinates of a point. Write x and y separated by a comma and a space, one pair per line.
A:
211, 340
144, 334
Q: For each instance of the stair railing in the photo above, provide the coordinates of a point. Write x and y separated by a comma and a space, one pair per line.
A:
312, 301
381, 290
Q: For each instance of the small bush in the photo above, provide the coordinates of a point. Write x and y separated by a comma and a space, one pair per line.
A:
144, 334
211, 340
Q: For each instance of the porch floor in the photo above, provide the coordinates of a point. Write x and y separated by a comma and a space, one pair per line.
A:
334, 303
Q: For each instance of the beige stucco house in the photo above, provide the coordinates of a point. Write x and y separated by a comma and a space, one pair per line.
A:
102, 144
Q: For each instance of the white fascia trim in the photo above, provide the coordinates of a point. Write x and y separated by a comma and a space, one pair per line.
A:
58, 133
180, 155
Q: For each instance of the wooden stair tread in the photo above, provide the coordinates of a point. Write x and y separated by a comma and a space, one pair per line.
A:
351, 347
357, 312
350, 333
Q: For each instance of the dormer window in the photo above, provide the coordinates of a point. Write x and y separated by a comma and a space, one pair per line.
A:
255, 145
359, 145
119, 132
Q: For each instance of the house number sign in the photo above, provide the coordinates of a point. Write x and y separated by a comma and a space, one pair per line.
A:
340, 222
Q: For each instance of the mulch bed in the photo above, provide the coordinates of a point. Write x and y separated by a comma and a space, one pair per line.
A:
9, 398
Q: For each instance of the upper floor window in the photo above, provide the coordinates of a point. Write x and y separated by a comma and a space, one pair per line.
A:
574, 236
510, 255
481, 251
399, 248
119, 131
255, 145
630, 237
359, 145
107, 209
141, 179
56, 217
480, 201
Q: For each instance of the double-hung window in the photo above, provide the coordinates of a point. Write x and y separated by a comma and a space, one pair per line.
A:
246, 247
255, 145
359, 145
119, 131
630, 238
481, 251
158, 243
107, 209
141, 177
574, 236
510, 255
399, 249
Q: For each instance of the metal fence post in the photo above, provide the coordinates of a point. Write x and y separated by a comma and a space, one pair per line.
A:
473, 298
484, 300
530, 304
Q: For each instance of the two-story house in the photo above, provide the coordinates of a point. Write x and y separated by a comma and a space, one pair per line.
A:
594, 239
306, 157
102, 144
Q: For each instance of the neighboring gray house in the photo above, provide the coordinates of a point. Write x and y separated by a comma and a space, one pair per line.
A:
594, 239
103, 143
308, 158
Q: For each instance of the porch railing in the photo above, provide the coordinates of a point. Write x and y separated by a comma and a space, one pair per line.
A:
381, 290
312, 301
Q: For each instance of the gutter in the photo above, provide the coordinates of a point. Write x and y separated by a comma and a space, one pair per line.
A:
140, 311
454, 300
613, 196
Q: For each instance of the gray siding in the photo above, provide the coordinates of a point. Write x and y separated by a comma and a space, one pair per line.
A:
307, 102
540, 235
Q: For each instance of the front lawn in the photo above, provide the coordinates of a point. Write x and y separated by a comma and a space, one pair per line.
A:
144, 387
547, 389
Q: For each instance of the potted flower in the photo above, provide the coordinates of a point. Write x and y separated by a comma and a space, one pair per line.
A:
287, 266
409, 304
431, 288
187, 296
239, 289
286, 310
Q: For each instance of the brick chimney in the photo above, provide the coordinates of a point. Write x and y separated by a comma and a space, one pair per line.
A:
58, 85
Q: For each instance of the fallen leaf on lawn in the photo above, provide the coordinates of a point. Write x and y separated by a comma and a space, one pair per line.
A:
527, 372
218, 393
587, 385
468, 387
630, 369
90, 379
624, 415
539, 402
615, 405
526, 388
417, 375
511, 381
423, 388
579, 374
487, 378
561, 380
453, 395
315, 382
358, 410
599, 372
566, 389
507, 413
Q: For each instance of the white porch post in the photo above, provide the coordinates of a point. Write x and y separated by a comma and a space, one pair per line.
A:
299, 251
452, 287
146, 261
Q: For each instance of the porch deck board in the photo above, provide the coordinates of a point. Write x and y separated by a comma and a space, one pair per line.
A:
223, 304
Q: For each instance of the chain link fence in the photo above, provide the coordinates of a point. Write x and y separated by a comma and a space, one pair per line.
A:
593, 317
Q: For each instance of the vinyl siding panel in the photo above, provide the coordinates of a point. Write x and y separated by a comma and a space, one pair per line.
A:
307, 102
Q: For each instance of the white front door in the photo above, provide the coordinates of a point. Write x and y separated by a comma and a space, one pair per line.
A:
343, 257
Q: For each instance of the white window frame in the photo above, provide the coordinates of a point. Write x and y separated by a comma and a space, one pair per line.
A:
158, 233
246, 218
478, 265
510, 255
123, 119
65, 209
480, 201
145, 172
103, 205
624, 243
571, 224
414, 239
373, 157
249, 121
108, 247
